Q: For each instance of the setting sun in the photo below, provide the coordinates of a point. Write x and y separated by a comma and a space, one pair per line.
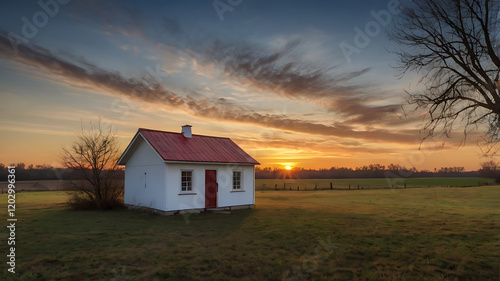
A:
328, 139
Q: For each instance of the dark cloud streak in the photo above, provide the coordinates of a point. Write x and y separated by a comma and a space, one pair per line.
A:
280, 72
146, 90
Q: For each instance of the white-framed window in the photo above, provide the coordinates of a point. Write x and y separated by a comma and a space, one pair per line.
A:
237, 180
186, 181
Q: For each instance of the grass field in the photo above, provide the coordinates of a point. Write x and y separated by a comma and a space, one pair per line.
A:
397, 234
304, 184
310, 184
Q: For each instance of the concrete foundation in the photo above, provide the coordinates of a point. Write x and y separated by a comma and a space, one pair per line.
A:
189, 211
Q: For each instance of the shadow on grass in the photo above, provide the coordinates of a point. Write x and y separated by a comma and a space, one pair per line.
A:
61, 243
381, 236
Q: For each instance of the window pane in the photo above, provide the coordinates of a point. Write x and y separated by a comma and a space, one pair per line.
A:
236, 179
186, 181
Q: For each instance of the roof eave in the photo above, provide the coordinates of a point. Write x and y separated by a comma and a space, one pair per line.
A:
121, 161
209, 162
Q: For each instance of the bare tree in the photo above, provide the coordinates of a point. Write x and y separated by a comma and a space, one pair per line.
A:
490, 169
93, 157
454, 44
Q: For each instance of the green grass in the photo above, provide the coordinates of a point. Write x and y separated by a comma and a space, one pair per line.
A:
410, 234
309, 184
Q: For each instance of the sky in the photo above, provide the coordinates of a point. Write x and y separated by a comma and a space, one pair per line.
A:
309, 84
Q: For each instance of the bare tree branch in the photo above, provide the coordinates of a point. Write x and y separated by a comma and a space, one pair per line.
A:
94, 156
454, 44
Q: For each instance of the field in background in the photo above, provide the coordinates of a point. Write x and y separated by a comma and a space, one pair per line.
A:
303, 184
375, 183
397, 234
42, 185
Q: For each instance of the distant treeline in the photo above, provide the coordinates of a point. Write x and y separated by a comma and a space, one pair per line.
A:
40, 172
375, 171
488, 170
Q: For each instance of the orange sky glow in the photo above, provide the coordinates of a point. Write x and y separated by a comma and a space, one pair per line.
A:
287, 95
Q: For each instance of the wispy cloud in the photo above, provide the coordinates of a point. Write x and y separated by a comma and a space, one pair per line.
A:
311, 145
28, 127
281, 69
146, 90
282, 73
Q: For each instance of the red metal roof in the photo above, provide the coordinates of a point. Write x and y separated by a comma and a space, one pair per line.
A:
175, 147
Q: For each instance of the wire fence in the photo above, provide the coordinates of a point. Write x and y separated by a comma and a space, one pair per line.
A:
321, 185
277, 185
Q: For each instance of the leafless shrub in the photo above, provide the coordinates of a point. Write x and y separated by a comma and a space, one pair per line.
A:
93, 157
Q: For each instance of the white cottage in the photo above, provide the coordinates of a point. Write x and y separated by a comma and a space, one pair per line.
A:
171, 172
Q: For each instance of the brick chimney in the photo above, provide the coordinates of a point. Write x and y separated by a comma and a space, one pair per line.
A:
186, 131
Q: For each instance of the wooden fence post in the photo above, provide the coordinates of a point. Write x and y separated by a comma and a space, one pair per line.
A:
331, 186
276, 186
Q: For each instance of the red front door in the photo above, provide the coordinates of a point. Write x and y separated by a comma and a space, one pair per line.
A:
210, 188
